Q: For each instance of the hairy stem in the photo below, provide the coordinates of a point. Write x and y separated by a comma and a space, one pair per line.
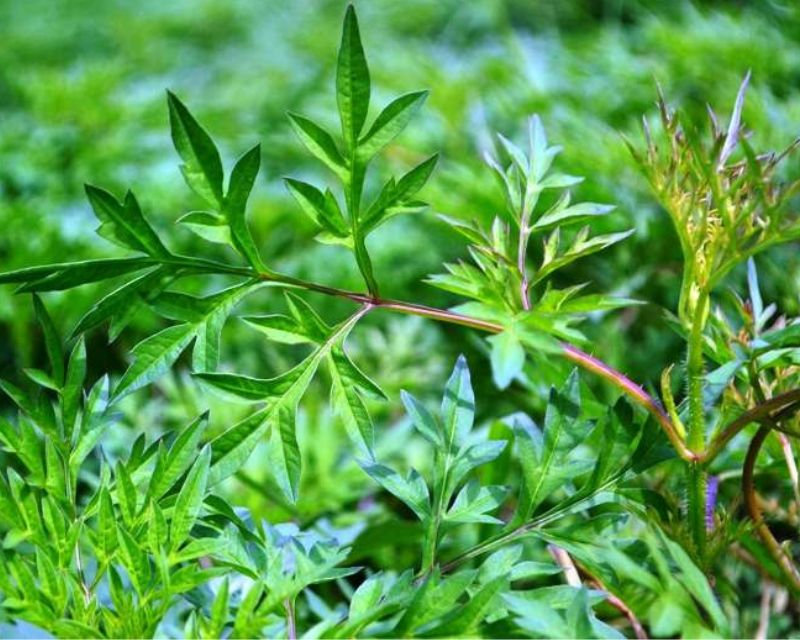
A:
697, 478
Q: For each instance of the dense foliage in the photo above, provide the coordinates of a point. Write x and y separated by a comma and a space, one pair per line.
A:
247, 477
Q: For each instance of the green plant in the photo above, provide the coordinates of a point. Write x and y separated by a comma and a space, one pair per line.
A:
105, 544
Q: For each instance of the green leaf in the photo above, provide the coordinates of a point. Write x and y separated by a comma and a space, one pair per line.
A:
242, 179
465, 620
474, 502
458, 406
190, 499
322, 208
284, 452
52, 341
390, 122
171, 466
123, 301
395, 197
124, 223
560, 214
347, 382
219, 611
507, 357
106, 525
58, 277
209, 226
203, 168
352, 80
231, 449
73, 387
319, 143
546, 462
424, 422
127, 496
203, 319
154, 356
412, 490
135, 560
249, 389
279, 328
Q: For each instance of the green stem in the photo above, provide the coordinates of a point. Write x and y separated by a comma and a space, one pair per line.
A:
696, 475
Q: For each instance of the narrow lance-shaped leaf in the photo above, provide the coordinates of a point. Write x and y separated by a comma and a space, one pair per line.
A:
390, 123
319, 142
171, 466
73, 387
203, 167
59, 277
52, 340
190, 499
241, 184
284, 452
352, 80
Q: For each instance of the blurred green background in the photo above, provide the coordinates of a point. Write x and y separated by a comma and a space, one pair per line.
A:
82, 99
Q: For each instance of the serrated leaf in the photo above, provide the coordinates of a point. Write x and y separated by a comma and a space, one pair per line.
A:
122, 301
124, 223
134, 559
279, 328
352, 80
202, 167
172, 465
154, 356
321, 207
474, 502
564, 215
231, 448
411, 490
190, 499
127, 496
348, 381
284, 452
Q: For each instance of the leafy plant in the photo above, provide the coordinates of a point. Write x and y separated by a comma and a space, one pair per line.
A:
146, 541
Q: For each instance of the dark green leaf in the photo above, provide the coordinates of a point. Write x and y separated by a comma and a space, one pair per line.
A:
203, 167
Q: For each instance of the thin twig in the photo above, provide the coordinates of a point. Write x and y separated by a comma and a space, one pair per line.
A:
564, 561
570, 352
572, 575
765, 610
754, 510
